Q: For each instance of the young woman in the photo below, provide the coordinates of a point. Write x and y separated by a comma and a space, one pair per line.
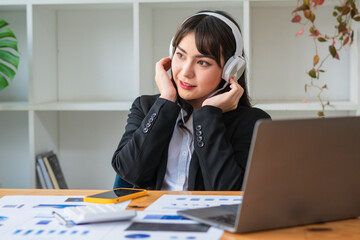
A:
196, 134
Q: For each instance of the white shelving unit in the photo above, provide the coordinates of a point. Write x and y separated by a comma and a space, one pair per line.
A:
279, 62
83, 62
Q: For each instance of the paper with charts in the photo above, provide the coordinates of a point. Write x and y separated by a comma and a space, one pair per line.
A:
29, 217
168, 202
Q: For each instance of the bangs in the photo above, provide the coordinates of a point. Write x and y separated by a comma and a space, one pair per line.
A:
207, 41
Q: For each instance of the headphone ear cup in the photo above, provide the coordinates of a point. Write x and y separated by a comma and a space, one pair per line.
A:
171, 48
240, 68
235, 66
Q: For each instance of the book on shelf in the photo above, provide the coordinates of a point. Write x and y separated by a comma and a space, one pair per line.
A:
40, 176
51, 172
44, 172
49, 166
55, 166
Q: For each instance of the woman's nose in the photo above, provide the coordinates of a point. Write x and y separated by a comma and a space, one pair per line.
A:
187, 69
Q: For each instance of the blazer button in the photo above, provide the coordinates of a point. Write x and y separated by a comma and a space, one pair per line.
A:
145, 130
199, 138
151, 119
148, 125
198, 128
153, 115
201, 144
198, 133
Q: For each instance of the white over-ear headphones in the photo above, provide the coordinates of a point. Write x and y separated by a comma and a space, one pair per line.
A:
236, 64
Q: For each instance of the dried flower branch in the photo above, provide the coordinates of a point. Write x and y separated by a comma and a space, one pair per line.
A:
344, 13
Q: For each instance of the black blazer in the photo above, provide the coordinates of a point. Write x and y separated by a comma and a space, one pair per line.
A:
221, 144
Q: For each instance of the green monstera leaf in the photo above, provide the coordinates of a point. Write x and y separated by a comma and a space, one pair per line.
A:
9, 61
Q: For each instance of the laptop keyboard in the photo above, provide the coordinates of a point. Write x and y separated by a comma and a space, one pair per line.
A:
228, 219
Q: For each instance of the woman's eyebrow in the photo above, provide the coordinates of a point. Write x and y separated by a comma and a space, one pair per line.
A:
197, 56
205, 56
181, 49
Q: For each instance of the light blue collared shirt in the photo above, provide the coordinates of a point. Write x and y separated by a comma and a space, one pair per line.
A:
181, 148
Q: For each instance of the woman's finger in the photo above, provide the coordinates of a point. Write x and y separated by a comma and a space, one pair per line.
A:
166, 87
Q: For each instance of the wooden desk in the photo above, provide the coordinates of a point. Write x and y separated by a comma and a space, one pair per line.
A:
346, 229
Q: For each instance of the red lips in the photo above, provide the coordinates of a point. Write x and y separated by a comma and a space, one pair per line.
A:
185, 85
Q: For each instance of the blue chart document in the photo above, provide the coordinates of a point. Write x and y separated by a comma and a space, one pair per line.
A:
174, 203
30, 217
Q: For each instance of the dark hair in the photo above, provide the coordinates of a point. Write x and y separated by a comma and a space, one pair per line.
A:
215, 38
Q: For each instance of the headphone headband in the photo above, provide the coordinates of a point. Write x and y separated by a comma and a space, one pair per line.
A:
235, 30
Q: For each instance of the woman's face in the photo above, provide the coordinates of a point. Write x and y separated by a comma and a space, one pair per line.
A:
196, 75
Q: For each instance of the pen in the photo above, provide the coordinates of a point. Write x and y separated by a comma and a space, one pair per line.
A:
61, 219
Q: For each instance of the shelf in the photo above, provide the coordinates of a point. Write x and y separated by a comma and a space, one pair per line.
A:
14, 106
126, 105
285, 3
82, 106
66, 106
309, 106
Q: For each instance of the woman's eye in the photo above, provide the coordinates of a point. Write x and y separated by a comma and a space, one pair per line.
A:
179, 55
203, 63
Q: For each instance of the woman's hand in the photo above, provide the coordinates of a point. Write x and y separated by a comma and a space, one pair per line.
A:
163, 82
227, 101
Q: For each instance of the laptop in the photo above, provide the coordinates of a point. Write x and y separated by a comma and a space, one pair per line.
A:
299, 172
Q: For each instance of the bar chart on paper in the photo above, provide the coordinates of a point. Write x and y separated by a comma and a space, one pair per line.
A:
169, 202
31, 218
161, 221
50, 233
